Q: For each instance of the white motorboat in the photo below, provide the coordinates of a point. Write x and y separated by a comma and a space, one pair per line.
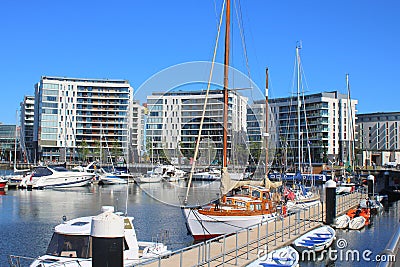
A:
342, 222
316, 240
282, 257
357, 223
149, 177
60, 177
71, 244
108, 178
173, 174
211, 175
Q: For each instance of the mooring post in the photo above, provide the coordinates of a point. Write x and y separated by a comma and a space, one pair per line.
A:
330, 201
107, 232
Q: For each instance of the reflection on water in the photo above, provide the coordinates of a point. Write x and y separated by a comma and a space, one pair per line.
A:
173, 193
28, 217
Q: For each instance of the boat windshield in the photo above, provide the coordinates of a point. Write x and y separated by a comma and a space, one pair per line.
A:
59, 169
73, 246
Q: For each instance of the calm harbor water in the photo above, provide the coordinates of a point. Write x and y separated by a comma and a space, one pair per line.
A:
27, 218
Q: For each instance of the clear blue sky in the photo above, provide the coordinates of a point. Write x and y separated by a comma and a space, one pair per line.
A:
135, 39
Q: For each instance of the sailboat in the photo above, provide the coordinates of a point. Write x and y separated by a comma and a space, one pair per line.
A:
300, 197
249, 204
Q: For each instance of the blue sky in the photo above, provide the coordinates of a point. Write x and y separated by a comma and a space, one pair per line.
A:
134, 40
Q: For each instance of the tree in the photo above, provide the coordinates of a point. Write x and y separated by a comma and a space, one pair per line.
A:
84, 150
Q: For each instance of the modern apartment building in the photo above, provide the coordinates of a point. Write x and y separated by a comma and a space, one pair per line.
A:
379, 138
137, 131
27, 123
173, 124
8, 137
81, 118
327, 123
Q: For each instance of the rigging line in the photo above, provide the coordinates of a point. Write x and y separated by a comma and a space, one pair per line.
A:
205, 104
242, 36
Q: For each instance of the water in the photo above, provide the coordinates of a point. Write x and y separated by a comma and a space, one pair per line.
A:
27, 218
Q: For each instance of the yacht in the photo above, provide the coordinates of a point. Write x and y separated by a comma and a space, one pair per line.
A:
57, 176
108, 178
71, 244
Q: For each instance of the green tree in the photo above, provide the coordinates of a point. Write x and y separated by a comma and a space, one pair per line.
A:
84, 150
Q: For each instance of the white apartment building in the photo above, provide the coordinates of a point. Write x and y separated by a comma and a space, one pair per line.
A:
27, 121
173, 123
379, 138
327, 127
79, 118
137, 131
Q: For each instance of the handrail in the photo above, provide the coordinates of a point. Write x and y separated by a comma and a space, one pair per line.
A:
388, 256
300, 220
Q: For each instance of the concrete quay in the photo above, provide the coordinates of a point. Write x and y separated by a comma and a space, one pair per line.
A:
245, 246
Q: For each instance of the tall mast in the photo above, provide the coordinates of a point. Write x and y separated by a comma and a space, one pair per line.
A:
15, 143
266, 126
298, 104
226, 83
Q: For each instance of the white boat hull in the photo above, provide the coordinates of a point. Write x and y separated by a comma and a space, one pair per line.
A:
204, 227
63, 181
357, 223
342, 222
286, 256
315, 240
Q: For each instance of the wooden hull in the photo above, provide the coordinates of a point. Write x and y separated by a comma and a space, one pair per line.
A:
203, 226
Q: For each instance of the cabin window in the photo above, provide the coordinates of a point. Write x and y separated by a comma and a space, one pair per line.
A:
229, 202
258, 206
240, 204
267, 206
256, 194
74, 246
251, 206
245, 191
266, 196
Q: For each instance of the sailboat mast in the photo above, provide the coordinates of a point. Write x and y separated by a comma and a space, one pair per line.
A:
298, 105
226, 84
266, 126
15, 143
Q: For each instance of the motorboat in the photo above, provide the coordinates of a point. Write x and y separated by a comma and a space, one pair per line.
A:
316, 240
357, 223
393, 193
250, 206
57, 176
149, 177
342, 222
171, 173
210, 175
71, 244
283, 257
107, 178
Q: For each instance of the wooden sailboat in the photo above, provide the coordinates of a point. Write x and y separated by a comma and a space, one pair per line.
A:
249, 205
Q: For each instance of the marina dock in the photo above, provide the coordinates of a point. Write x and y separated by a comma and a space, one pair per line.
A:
245, 246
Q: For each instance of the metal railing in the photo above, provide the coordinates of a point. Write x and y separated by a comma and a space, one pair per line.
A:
244, 244
256, 239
